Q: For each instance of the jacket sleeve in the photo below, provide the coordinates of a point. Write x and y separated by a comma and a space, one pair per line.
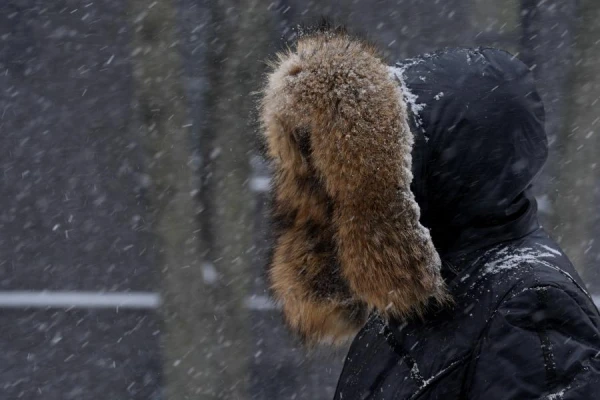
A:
542, 343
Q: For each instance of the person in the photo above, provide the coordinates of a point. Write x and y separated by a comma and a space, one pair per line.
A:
479, 304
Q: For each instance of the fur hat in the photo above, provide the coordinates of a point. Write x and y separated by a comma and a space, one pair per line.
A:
348, 240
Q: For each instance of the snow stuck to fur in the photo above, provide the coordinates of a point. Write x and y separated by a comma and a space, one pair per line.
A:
398, 74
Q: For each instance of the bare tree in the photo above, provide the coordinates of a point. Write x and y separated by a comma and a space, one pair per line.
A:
547, 46
164, 129
577, 196
205, 224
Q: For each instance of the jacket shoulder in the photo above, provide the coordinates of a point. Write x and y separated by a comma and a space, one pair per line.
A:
541, 329
508, 268
541, 340
512, 269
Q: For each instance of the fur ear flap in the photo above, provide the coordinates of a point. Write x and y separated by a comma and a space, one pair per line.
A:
336, 130
304, 273
306, 281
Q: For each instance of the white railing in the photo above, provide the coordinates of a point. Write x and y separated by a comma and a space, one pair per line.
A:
111, 300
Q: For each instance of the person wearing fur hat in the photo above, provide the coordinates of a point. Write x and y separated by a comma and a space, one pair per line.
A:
403, 220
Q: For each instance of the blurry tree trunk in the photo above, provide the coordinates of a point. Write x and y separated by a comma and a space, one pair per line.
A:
547, 47
164, 131
579, 173
239, 41
205, 225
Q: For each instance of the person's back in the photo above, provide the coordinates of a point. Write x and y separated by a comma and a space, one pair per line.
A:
521, 328
511, 319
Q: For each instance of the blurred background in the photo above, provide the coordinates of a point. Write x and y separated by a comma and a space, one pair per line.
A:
132, 230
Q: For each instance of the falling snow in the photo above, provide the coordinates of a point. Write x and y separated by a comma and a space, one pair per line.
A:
133, 235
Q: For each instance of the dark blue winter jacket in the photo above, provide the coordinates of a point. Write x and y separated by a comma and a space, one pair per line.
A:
522, 325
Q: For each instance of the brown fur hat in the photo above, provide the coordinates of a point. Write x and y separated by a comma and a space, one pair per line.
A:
347, 236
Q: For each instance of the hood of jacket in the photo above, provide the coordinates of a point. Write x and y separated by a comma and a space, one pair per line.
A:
478, 122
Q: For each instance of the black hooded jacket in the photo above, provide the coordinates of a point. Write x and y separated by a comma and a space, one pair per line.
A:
522, 325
